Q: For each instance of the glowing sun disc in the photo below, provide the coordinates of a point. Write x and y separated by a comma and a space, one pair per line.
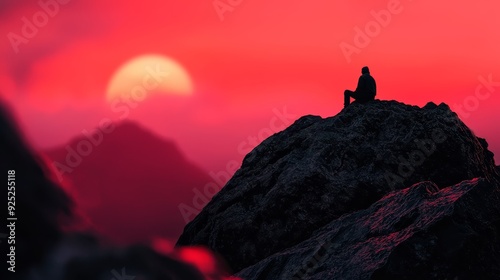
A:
148, 74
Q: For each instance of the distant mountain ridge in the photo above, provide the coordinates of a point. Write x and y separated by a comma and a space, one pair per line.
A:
131, 179
44, 248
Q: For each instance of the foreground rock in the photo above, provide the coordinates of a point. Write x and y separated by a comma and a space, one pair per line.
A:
40, 205
81, 257
316, 170
416, 233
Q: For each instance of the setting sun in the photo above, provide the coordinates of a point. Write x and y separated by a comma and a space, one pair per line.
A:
149, 74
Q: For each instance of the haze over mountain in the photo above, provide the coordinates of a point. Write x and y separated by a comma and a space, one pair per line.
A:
129, 181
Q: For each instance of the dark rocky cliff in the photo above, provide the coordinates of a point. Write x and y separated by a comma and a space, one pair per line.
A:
317, 170
416, 233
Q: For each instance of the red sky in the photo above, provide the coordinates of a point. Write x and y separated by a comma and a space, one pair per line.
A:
263, 56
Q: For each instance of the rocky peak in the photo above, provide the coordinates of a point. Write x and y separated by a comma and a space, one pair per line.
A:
318, 169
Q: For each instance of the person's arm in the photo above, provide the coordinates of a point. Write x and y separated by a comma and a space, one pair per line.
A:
360, 84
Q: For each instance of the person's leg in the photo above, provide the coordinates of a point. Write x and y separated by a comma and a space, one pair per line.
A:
358, 96
347, 97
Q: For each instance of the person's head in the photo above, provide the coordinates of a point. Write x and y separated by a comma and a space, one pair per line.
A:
365, 70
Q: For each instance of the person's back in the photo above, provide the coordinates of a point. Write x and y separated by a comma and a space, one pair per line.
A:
367, 86
365, 91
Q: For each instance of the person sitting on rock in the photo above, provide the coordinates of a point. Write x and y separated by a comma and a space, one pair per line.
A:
365, 91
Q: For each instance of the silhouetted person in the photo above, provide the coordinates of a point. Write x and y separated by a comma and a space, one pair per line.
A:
365, 91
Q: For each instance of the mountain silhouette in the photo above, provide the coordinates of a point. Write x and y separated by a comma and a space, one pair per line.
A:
44, 248
382, 190
131, 184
